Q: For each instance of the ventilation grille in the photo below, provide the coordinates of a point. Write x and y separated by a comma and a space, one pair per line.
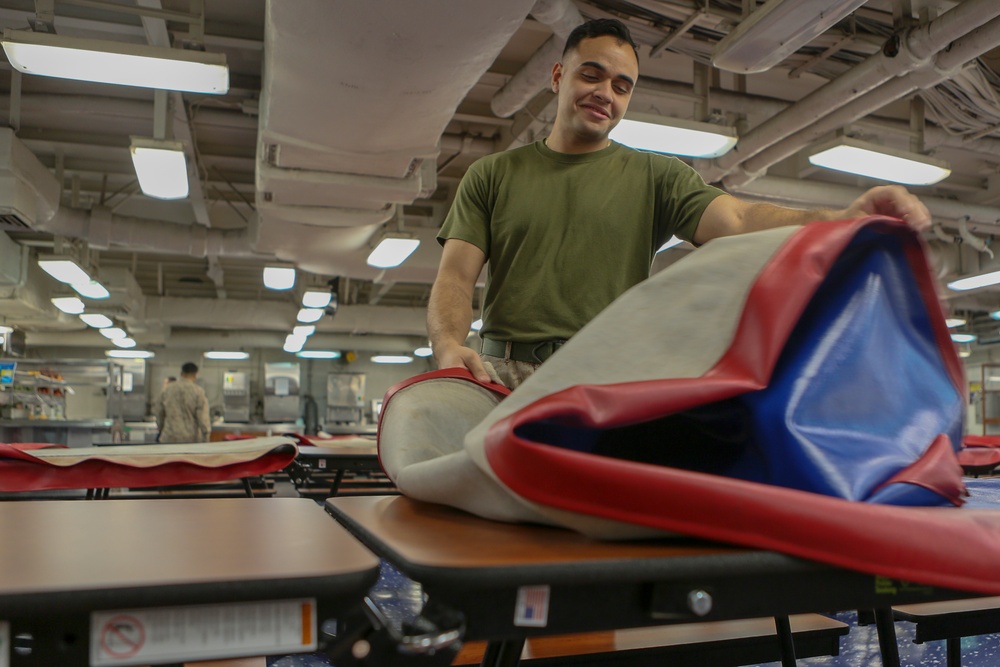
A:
13, 222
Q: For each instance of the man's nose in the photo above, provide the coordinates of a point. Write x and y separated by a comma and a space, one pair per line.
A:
603, 91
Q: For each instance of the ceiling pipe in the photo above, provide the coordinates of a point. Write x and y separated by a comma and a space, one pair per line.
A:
234, 314
650, 89
812, 194
561, 16
900, 56
943, 66
104, 230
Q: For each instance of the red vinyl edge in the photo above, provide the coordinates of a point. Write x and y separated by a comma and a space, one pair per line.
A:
856, 535
441, 374
32, 474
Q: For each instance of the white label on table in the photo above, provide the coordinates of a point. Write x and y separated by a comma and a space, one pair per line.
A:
176, 634
532, 607
4, 644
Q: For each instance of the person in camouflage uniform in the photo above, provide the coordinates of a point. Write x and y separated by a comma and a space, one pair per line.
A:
182, 410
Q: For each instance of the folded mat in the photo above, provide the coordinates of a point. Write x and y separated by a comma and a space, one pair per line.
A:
25, 468
794, 390
982, 441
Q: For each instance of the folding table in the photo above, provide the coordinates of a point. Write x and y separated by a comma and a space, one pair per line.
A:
320, 471
505, 582
128, 582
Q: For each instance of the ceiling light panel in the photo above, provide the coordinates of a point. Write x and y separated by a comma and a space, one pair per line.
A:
120, 63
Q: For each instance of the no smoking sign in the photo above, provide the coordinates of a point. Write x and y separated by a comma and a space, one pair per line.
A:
122, 636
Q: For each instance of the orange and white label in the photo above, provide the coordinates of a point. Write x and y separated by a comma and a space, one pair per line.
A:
176, 634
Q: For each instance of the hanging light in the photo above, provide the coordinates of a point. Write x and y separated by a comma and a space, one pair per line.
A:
866, 159
120, 63
675, 136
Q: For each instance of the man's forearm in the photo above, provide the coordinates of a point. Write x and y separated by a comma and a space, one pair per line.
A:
449, 314
758, 217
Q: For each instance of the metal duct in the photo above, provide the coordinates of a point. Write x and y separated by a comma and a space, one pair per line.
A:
932, 72
562, 17
914, 50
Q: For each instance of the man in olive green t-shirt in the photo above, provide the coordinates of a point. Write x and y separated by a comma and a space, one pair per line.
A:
570, 223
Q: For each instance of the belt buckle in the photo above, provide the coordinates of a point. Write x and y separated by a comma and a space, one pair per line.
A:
549, 346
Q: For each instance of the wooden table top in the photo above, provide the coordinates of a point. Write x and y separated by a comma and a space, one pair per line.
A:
431, 535
74, 546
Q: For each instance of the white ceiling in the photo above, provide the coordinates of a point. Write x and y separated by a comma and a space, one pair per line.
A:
346, 117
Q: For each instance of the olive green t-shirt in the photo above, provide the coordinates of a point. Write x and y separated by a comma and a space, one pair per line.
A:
566, 234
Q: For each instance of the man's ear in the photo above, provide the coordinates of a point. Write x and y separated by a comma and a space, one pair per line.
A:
557, 72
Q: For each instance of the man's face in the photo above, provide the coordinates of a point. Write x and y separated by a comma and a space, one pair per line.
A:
594, 83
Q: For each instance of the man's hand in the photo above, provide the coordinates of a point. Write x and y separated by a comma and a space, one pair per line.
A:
459, 356
892, 200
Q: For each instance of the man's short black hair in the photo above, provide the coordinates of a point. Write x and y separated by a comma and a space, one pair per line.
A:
600, 28
189, 368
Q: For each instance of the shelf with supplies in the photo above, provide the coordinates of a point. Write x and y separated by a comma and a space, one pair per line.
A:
37, 389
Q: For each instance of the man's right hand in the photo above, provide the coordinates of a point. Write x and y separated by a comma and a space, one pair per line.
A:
459, 356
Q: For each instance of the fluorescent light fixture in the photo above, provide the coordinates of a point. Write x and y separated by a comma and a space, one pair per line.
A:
972, 282
854, 156
113, 333
775, 30
392, 251
392, 359
294, 343
161, 167
304, 330
318, 354
118, 63
63, 269
316, 299
995, 314
279, 277
124, 342
477, 325
223, 354
91, 290
96, 320
68, 304
672, 242
650, 132
129, 354
963, 337
308, 315
959, 321
423, 352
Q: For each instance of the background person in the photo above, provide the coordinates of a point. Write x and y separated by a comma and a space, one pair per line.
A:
182, 411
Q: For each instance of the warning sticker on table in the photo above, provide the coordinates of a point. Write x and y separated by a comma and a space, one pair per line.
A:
4, 644
532, 607
175, 634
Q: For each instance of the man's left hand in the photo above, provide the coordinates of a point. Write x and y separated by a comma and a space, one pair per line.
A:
895, 201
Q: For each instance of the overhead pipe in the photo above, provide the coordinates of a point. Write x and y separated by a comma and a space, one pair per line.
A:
943, 66
971, 239
104, 230
561, 16
812, 194
915, 47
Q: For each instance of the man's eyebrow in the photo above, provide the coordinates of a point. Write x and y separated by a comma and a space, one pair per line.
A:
597, 65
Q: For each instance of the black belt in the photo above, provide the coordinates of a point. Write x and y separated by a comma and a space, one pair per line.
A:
534, 353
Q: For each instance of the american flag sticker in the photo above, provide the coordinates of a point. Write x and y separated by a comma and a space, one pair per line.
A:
532, 608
